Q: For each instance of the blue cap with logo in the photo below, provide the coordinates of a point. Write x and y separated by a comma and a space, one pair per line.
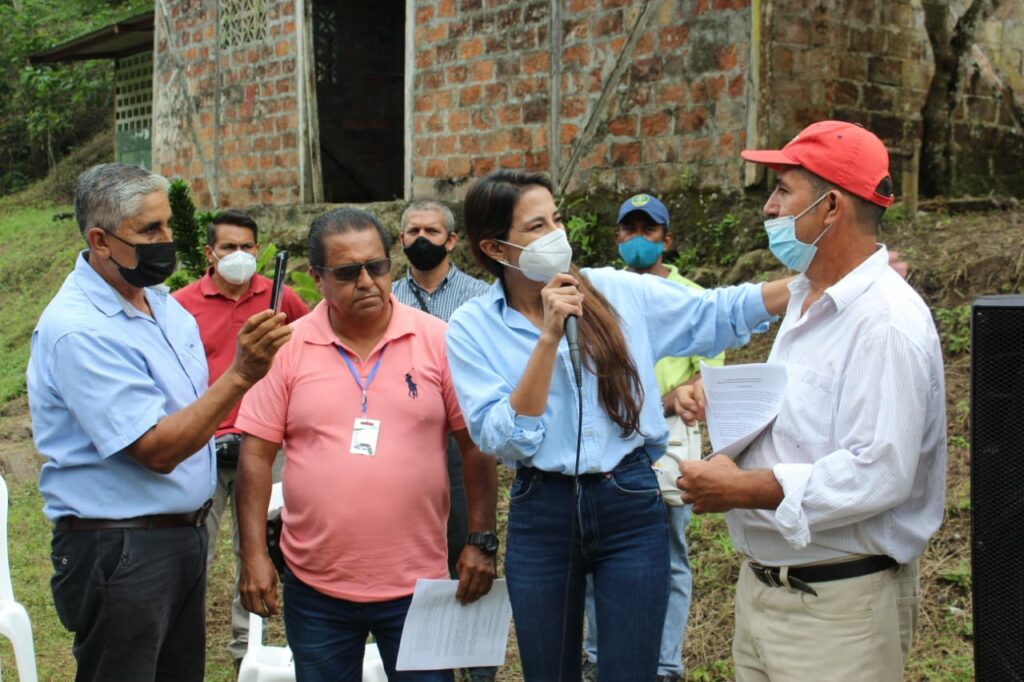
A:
648, 204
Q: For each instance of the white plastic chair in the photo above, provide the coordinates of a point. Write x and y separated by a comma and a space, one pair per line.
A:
263, 663
14, 621
373, 666
274, 663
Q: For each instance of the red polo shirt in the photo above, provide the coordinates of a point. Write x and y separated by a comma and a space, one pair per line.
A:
220, 320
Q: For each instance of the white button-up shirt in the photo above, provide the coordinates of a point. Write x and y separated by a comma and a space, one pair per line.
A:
859, 445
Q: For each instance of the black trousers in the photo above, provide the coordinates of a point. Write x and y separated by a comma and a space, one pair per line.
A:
135, 601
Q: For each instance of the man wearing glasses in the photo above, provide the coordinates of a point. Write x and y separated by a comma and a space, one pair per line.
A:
364, 400
221, 301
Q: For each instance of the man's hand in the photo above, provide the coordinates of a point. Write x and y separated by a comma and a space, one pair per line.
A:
477, 571
687, 402
718, 485
708, 484
257, 585
260, 338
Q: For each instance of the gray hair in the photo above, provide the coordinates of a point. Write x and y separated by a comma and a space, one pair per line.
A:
447, 219
107, 194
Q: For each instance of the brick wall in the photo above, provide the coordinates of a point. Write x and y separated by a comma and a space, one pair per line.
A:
653, 94
859, 61
649, 93
244, 149
872, 63
480, 91
988, 129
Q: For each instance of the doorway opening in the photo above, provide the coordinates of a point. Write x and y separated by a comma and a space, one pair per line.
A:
359, 55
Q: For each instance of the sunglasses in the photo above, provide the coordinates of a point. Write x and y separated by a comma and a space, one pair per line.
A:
350, 273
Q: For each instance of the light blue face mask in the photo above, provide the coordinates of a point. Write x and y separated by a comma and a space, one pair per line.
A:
640, 253
782, 241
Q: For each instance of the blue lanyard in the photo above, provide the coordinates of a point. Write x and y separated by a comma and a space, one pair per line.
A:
355, 374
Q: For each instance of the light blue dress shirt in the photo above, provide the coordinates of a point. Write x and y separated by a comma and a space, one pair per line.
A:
101, 374
489, 344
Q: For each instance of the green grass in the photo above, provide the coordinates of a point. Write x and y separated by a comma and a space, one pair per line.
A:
38, 253
29, 544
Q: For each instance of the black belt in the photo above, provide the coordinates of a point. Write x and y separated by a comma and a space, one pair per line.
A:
151, 522
799, 578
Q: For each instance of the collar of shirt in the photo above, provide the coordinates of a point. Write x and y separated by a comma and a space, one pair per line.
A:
322, 334
107, 300
452, 270
849, 288
207, 287
512, 317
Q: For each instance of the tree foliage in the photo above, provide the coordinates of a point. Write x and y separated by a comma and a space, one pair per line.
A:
189, 228
47, 110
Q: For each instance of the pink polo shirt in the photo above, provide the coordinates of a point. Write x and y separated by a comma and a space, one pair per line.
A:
359, 527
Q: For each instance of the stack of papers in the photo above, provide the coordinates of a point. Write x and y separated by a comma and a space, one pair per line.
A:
442, 634
742, 401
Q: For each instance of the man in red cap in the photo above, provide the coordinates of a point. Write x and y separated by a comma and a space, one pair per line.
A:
833, 504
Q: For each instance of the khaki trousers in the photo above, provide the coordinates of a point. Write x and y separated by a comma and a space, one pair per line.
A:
855, 629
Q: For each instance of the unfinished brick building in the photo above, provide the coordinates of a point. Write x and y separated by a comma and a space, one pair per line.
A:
297, 101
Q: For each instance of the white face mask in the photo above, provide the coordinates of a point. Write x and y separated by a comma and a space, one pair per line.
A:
238, 267
543, 258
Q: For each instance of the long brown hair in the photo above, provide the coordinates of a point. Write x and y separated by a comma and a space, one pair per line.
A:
489, 207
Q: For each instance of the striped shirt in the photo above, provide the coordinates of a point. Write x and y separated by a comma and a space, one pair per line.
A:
455, 289
859, 445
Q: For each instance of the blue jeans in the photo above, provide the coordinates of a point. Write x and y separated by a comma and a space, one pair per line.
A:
328, 636
670, 661
622, 539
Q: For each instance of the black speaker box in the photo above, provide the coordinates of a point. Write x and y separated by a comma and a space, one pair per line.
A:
997, 486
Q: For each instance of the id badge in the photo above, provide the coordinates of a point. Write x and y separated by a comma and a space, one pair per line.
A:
364, 436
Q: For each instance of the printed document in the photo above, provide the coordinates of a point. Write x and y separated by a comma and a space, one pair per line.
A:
742, 401
440, 633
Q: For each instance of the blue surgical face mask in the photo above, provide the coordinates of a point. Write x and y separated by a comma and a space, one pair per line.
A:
782, 241
641, 253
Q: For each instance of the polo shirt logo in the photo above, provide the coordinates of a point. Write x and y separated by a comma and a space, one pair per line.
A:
413, 392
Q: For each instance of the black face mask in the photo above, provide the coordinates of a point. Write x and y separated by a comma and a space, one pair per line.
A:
153, 263
425, 255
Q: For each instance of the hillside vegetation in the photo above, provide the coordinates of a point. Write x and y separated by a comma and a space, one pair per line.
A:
48, 110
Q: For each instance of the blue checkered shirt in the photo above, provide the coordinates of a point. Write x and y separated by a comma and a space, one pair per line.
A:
455, 289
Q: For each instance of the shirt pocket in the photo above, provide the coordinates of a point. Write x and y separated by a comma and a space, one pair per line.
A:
193, 360
806, 415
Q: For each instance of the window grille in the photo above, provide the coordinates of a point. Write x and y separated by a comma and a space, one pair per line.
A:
325, 31
133, 82
242, 22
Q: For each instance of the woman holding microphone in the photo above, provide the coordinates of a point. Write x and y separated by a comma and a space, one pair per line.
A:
584, 499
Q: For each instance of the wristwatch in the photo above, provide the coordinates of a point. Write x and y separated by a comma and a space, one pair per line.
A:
486, 540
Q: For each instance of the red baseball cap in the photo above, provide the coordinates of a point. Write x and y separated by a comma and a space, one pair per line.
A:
843, 153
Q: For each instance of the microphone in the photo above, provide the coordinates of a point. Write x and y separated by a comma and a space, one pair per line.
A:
572, 336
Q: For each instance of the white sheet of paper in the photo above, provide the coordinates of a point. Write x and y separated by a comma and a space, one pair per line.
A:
743, 400
441, 634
